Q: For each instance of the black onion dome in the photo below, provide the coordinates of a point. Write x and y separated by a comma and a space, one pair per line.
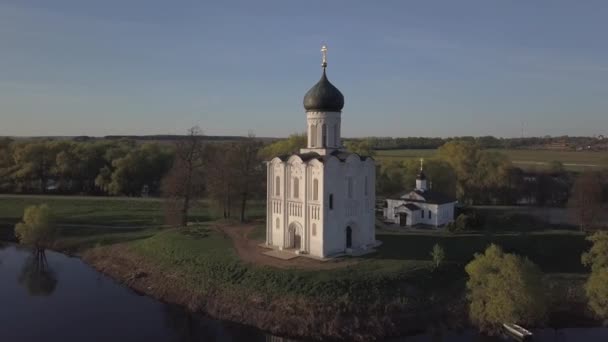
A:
421, 175
324, 97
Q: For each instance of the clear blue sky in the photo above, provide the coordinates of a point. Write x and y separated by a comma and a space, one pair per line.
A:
424, 68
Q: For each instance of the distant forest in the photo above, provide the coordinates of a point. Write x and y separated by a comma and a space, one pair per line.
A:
385, 143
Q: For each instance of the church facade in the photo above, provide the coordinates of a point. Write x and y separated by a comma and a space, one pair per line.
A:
320, 202
420, 206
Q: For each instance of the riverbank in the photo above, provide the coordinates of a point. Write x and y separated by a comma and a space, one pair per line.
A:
196, 267
366, 299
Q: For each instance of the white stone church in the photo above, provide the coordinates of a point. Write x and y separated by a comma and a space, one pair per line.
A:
420, 206
320, 202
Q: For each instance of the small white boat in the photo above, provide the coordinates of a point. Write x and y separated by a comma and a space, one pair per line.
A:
517, 332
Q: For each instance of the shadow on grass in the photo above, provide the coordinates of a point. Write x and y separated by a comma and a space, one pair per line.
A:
558, 252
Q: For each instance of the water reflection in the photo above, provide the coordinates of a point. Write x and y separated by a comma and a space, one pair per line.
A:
37, 276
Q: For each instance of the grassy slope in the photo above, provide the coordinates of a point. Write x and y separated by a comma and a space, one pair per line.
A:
522, 158
208, 259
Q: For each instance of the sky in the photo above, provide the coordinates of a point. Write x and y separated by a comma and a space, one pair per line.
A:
406, 68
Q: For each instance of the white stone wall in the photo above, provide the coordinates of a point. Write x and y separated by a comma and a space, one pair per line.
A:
356, 211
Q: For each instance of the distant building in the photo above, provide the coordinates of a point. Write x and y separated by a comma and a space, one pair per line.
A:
420, 206
320, 202
559, 145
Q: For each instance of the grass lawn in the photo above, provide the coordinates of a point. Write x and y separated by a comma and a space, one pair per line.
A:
89, 221
527, 159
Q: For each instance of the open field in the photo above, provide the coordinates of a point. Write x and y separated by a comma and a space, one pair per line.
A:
91, 221
527, 159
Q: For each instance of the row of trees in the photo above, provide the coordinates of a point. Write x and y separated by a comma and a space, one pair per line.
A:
229, 172
476, 176
99, 167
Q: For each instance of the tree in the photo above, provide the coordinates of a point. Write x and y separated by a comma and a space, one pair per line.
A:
596, 287
437, 255
286, 146
249, 172
390, 179
463, 157
586, 201
362, 147
185, 181
35, 162
37, 227
597, 256
220, 177
141, 168
480, 174
504, 288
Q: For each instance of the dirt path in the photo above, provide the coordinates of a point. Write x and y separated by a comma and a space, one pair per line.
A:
249, 251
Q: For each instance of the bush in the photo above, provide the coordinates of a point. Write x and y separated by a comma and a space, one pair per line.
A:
37, 227
458, 225
504, 288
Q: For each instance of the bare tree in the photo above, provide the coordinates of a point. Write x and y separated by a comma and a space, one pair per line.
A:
586, 200
249, 171
185, 181
220, 176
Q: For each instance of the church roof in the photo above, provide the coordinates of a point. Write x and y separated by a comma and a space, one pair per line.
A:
324, 97
431, 197
341, 155
410, 206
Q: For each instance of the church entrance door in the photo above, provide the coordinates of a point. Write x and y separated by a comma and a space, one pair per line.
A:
403, 219
349, 237
294, 236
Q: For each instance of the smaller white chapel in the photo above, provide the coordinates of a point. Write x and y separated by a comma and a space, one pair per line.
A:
420, 206
320, 202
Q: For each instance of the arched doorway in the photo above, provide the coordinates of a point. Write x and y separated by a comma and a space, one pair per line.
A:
349, 237
294, 236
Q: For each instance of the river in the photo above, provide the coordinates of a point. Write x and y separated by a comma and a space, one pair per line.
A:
53, 297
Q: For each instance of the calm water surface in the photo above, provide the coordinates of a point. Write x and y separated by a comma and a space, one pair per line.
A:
59, 298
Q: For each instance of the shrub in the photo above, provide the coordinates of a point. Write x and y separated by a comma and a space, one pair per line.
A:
437, 255
503, 288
